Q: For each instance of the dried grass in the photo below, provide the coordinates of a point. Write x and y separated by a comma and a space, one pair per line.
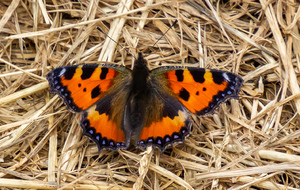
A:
248, 143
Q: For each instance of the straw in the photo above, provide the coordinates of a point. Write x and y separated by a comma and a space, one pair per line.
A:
252, 142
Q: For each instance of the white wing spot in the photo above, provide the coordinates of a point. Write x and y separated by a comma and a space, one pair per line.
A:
62, 72
226, 76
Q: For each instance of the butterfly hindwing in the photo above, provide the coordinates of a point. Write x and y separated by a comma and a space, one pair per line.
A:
99, 125
201, 90
173, 125
81, 86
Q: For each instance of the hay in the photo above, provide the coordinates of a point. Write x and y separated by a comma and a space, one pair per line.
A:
248, 143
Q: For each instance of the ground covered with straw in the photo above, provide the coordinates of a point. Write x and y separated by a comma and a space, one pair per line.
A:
249, 143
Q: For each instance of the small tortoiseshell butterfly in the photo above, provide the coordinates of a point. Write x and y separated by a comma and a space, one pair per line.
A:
149, 108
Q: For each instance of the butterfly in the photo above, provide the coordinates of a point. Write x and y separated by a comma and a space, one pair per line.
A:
145, 107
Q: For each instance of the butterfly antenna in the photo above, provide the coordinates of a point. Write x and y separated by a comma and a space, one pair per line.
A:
165, 32
114, 41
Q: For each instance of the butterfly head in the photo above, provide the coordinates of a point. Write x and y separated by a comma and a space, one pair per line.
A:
140, 60
140, 65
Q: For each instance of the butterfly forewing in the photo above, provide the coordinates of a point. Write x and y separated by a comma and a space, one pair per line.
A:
81, 86
201, 90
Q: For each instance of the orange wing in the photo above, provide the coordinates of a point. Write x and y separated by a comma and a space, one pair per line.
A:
81, 86
99, 125
173, 126
92, 89
202, 90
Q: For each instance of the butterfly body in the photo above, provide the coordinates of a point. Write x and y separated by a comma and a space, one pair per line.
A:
142, 106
